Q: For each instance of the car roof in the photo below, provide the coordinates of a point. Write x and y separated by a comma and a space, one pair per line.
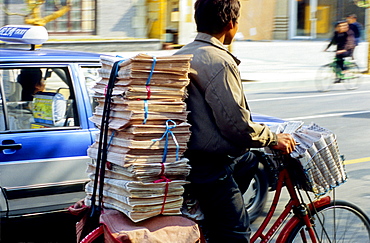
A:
49, 55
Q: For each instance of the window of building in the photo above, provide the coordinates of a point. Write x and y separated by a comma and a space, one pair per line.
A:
80, 19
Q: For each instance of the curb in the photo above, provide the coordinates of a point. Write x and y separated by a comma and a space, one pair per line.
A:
253, 85
97, 45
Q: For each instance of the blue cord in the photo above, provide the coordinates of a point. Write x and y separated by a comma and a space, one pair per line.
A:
165, 135
151, 71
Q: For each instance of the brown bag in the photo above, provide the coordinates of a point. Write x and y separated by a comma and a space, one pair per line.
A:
118, 228
159, 229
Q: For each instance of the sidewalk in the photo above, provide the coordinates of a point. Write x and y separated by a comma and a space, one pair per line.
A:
267, 65
272, 64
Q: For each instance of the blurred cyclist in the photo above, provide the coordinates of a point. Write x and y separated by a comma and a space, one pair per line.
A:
345, 40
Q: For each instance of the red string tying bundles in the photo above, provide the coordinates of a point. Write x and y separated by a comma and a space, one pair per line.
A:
148, 92
105, 90
109, 165
147, 84
163, 178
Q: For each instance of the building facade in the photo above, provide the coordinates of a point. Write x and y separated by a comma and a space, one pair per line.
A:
311, 19
172, 20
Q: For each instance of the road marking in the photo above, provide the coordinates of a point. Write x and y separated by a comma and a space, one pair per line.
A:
326, 115
310, 96
355, 161
346, 162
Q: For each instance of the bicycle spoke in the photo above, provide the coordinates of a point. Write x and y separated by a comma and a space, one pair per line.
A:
323, 220
352, 77
337, 222
325, 78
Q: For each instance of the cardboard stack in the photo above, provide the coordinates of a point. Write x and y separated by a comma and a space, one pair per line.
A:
148, 134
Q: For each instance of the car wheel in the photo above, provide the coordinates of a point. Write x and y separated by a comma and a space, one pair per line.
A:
256, 195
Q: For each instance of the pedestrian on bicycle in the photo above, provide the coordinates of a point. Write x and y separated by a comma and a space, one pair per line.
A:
222, 128
345, 40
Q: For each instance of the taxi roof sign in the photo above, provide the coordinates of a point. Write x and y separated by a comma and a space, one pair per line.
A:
25, 34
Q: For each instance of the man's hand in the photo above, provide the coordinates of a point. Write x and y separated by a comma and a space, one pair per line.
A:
286, 143
340, 52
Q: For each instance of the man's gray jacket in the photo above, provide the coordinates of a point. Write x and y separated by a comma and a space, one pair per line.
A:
219, 114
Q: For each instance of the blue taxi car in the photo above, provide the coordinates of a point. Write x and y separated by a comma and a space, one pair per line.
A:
45, 105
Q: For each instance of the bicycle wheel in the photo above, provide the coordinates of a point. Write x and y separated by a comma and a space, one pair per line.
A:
325, 78
352, 76
338, 221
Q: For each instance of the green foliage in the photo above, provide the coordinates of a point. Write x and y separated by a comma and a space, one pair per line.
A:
363, 4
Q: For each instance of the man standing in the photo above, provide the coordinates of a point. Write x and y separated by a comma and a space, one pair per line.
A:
355, 26
222, 128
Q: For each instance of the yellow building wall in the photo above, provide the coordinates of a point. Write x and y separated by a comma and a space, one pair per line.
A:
187, 26
257, 19
322, 22
156, 18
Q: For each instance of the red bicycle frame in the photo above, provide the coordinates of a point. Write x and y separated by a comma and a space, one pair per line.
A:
294, 203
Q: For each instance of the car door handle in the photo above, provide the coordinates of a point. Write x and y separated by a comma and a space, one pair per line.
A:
15, 146
9, 146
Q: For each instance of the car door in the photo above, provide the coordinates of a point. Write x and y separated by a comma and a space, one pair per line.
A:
43, 139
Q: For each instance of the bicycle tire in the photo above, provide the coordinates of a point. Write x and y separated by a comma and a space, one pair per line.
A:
325, 78
351, 225
352, 77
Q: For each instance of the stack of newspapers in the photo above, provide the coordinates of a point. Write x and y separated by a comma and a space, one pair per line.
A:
148, 135
317, 151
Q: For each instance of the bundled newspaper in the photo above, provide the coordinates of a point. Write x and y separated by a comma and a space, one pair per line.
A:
148, 135
318, 152
146, 88
145, 143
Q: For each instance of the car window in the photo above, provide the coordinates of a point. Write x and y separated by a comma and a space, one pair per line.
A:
37, 98
91, 75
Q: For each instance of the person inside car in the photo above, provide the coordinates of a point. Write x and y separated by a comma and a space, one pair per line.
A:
31, 81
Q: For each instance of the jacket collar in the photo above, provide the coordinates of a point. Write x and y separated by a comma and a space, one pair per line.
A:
203, 37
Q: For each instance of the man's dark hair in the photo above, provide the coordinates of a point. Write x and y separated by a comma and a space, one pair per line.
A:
212, 16
29, 79
340, 22
352, 16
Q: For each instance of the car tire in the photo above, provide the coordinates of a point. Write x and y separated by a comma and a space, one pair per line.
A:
256, 195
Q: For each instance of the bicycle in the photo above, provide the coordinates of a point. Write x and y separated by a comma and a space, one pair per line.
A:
314, 220
330, 74
304, 219
320, 220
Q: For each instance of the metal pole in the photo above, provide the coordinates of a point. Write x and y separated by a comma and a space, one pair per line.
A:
6, 17
367, 29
